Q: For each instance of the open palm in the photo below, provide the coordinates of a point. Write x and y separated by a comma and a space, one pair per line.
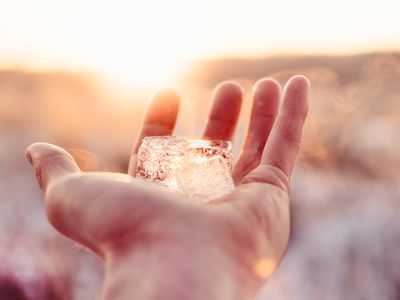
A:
157, 245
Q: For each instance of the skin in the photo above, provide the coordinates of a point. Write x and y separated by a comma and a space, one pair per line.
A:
157, 245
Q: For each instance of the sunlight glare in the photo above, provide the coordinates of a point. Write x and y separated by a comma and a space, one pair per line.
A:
146, 42
143, 44
265, 267
134, 42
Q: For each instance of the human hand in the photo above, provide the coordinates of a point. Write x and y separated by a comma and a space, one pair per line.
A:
157, 245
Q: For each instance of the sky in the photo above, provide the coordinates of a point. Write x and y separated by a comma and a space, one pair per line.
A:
147, 40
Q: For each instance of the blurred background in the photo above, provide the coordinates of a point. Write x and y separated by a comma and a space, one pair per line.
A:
79, 74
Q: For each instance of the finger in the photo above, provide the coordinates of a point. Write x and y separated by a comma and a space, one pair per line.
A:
50, 163
160, 119
283, 144
265, 106
224, 112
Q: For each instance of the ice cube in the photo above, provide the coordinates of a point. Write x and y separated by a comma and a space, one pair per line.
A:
203, 149
205, 179
198, 169
158, 159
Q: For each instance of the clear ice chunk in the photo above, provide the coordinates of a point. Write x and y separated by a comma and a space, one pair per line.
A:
203, 149
198, 169
158, 159
205, 179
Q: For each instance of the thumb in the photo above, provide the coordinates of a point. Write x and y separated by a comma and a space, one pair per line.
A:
50, 163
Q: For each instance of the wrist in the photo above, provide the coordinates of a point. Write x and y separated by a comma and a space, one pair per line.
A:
177, 273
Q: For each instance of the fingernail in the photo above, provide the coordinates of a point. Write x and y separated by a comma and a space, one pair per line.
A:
29, 157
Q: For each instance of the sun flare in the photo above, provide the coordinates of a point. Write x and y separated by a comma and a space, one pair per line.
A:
144, 42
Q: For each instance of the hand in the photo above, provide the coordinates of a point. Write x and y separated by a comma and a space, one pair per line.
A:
157, 245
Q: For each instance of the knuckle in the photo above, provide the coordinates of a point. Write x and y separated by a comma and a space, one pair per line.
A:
269, 174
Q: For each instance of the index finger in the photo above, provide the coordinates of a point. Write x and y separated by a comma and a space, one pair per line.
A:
160, 120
